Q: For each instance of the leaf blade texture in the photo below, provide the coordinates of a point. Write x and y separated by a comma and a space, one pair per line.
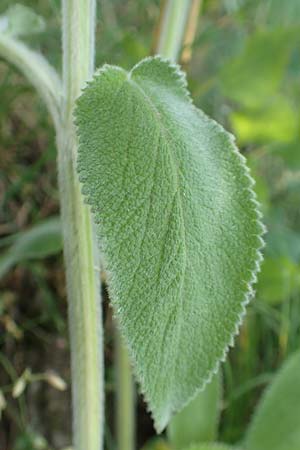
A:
163, 181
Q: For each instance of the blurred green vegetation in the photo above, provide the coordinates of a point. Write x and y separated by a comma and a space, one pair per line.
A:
244, 72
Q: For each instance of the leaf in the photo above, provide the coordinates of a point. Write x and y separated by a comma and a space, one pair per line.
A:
29, 440
279, 13
279, 280
274, 121
40, 241
262, 15
253, 76
177, 223
275, 425
198, 421
288, 152
156, 444
210, 446
19, 20
31, 63
283, 241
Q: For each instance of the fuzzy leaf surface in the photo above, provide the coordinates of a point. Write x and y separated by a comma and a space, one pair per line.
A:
177, 222
275, 425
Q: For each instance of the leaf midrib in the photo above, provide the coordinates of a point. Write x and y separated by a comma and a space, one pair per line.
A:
176, 169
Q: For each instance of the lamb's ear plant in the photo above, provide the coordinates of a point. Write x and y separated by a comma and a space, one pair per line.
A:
173, 206
177, 224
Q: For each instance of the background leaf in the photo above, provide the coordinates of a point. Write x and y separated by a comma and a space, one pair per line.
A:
198, 421
279, 280
19, 20
283, 14
275, 425
177, 222
211, 446
276, 120
157, 444
40, 241
254, 75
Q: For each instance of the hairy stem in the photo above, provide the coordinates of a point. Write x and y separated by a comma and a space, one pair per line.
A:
80, 251
173, 24
125, 397
37, 70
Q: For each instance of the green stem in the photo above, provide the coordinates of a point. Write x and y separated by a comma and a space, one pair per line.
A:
174, 21
125, 397
80, 251
37, 70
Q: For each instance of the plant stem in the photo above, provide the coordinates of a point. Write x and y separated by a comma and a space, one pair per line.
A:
80, 251
175, 15
125, 416
37, 70
190, 32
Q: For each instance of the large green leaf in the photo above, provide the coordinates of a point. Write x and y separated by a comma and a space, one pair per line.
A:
177, 222
276, 424
198, 421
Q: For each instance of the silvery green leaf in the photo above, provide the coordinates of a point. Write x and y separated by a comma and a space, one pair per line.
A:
177, 222
276, 422
19, 20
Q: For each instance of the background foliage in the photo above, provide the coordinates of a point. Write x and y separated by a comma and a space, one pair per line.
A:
245, 72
